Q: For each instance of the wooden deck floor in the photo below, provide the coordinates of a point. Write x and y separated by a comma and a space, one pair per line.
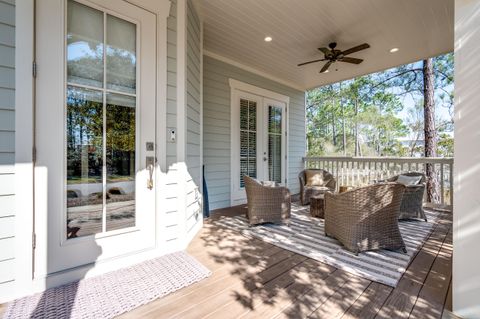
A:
253, 279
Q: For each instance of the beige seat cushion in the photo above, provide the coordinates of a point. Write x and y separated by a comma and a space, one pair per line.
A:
408, 180
319, 188
314, 178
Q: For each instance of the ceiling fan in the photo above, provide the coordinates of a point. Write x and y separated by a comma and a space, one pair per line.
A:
333, 55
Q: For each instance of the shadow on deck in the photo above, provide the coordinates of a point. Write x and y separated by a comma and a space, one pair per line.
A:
253, 279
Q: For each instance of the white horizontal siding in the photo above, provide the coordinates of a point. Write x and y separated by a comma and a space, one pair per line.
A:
172, 81
193, 160
7, 145
216, 131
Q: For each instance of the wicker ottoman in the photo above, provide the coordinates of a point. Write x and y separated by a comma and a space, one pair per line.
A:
317, 206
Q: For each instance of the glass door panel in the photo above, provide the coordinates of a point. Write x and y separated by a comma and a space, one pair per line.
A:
84, 161
274, 143
101, 121
121, 55
120, 149
84, 45
248, 139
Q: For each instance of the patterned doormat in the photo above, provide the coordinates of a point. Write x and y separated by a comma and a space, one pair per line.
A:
114, 293
305, 235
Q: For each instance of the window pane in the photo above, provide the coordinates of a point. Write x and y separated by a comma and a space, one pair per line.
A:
84, 45
275, 158
252, 116
275, 144
243, 114
121, 55
248, 139
120, 159
84, 162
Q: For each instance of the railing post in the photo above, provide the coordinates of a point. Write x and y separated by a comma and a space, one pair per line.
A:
442, 194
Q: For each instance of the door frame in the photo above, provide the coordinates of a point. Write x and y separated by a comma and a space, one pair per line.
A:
237, 90
27, 249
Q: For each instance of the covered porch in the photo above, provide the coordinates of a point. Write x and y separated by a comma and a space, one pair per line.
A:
234, 104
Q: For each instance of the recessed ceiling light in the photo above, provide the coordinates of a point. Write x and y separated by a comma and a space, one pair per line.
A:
268, 39
393, 50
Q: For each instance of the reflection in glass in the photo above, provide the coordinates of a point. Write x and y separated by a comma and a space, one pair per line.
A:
121, 55
120, 160
84, 162
84, 45
275, 144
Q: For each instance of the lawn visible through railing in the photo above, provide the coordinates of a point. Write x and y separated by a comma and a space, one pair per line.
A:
362, 171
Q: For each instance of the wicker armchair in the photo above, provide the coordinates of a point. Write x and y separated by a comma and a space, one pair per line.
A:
267, 202
366, 218
412, 202
308, 191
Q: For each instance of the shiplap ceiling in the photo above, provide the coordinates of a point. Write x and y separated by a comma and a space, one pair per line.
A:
235, 29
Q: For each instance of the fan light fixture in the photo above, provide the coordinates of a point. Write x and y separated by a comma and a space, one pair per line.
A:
393, 50
268, 39
332, 55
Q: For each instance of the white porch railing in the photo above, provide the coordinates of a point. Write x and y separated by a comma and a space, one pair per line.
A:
360, 171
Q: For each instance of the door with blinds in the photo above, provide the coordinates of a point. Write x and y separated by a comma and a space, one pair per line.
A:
258, 141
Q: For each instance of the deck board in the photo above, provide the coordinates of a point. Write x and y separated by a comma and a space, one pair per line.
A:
253, 279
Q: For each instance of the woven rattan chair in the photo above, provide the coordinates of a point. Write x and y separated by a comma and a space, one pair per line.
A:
366, 218
412, 202
308, 191
267, 202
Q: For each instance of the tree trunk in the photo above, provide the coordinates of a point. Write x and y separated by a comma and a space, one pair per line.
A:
356, 128
429, 128
334, 131
344, 133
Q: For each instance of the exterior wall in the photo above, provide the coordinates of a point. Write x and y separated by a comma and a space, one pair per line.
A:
172, 185
216, 131
193, 123
172, 79
466, 209
7, 144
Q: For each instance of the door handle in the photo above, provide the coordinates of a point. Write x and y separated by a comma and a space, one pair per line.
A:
150, 163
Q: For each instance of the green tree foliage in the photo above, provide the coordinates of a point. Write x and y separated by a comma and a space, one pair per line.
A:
368, 116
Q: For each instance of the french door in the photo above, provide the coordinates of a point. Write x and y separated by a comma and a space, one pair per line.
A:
95, 131
258, 141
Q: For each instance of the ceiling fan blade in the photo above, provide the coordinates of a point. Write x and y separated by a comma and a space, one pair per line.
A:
356, 49
326, 66
310, 62
324, 50
351, 60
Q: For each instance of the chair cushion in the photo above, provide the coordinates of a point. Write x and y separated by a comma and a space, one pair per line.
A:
319, 188
408, 180
314, 178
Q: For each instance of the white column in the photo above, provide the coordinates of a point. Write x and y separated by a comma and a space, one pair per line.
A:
466, 211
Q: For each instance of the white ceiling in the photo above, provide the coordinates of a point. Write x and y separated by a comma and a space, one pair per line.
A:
235, 29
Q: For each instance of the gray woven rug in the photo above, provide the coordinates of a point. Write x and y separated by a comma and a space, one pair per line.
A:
305, 235
114, 293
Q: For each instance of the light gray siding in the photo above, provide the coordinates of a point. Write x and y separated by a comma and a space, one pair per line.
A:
172, 80
171, 193
7, 142
216, 131
193, 122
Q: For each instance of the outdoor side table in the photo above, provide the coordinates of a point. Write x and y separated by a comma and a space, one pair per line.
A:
317, 206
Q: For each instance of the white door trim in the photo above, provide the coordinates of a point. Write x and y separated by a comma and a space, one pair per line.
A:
24, 143
240, 89
245, 87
